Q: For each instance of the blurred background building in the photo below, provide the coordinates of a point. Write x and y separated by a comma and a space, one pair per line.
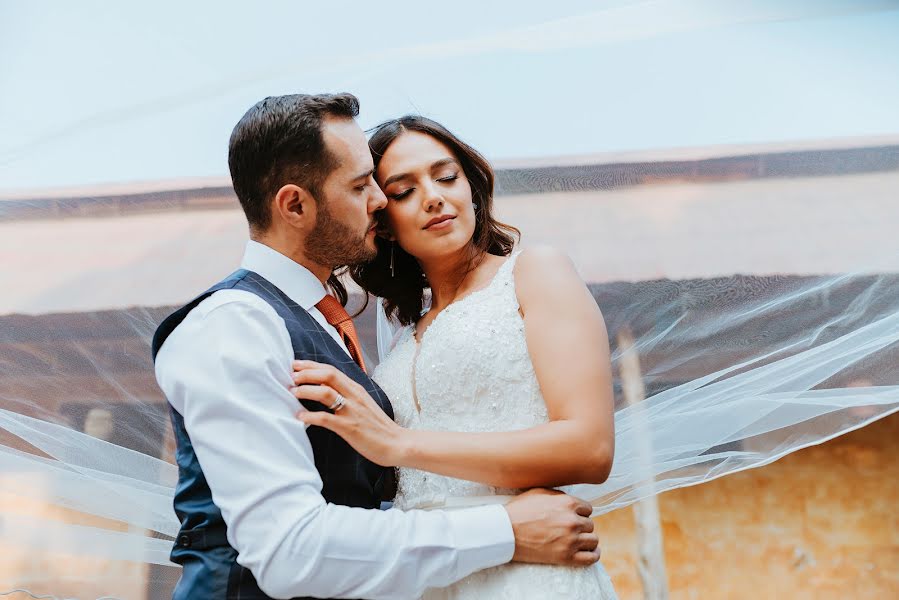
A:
658, 231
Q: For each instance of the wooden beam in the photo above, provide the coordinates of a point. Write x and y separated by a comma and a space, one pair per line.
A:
650, 547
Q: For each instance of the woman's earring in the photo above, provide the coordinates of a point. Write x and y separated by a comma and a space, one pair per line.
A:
392, 245
475, 204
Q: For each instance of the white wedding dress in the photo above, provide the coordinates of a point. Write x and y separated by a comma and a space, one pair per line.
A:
472, 372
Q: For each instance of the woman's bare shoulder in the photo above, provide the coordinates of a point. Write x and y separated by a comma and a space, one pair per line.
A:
545, 273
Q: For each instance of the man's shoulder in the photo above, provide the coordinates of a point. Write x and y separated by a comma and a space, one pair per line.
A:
229, 300
226, 319
221, 312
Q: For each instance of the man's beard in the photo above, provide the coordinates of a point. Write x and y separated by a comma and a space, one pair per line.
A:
333, 243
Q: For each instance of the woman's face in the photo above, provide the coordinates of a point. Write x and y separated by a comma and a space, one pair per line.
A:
429, 210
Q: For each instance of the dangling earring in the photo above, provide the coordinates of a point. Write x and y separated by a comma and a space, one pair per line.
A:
392, 244
475, 204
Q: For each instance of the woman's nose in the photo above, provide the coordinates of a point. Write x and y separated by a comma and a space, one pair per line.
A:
432, 199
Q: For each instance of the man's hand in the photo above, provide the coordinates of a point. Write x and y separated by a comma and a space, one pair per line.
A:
553, 528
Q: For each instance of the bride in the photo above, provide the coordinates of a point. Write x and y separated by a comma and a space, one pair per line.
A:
503, 384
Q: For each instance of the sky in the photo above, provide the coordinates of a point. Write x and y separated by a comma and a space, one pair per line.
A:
95, 92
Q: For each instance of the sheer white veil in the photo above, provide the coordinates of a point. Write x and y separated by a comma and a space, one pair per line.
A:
386, 330
750, 284
750, 412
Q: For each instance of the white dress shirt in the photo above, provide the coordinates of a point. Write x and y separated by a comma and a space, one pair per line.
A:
227, 370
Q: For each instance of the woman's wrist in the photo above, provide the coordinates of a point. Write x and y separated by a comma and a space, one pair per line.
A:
406, 445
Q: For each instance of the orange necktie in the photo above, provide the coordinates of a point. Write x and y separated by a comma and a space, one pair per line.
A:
337, 316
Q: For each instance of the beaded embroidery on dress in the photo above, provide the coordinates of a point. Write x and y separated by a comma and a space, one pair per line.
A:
472, 372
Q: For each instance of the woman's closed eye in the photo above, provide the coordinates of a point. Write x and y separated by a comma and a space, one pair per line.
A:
401, 195
408, 191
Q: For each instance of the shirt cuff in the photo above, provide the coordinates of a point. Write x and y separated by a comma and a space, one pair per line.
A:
483, 537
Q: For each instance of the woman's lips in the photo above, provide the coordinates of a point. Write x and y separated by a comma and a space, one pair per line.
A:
440, 222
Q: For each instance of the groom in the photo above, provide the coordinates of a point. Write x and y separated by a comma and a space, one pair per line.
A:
269, 509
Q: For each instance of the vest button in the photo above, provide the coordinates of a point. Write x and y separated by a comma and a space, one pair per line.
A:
184, 540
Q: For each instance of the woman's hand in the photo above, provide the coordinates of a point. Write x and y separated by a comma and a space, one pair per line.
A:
360, 421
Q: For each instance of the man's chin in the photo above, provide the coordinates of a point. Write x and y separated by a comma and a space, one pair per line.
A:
366, 253
370, 254
371, 248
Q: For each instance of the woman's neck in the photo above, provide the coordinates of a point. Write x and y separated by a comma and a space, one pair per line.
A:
447, 274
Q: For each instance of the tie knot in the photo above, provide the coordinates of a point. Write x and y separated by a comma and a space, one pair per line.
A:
333, 311
338, 318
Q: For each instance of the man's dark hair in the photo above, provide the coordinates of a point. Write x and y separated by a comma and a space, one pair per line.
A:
279, 141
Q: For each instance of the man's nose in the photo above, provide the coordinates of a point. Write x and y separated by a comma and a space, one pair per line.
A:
378, 200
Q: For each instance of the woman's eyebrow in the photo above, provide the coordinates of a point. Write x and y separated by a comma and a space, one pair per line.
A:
395, 178
443, 162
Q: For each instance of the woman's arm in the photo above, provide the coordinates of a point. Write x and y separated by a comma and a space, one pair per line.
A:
569, 348
568, 345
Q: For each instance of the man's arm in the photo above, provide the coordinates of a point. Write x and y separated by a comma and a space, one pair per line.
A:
226, 370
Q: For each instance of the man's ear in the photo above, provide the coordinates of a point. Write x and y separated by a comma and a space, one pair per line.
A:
295, 206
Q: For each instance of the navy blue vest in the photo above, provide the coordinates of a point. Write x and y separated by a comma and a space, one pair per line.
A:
209, 567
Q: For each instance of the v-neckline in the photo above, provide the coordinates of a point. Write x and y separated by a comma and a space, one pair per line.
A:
418, 343
420, 340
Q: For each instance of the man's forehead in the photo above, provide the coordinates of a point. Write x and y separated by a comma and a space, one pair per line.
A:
344, 135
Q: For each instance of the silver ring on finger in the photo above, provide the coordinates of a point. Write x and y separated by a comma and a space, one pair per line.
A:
338, 404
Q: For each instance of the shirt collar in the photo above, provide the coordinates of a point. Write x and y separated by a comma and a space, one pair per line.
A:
287, 275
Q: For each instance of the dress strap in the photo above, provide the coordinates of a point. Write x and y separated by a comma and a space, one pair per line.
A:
505, 272
509, 265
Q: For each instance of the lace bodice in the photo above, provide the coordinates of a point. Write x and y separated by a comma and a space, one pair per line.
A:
470, 372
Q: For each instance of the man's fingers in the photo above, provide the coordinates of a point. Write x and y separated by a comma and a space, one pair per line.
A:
581, 525
585, 525
587, 541
585, 558
583, 508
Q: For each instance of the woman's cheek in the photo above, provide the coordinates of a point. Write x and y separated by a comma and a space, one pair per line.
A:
401, 224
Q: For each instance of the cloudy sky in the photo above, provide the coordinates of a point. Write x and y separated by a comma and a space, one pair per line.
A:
97, 92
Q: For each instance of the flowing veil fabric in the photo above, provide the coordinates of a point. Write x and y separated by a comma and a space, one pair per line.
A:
751, 293
809, 387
